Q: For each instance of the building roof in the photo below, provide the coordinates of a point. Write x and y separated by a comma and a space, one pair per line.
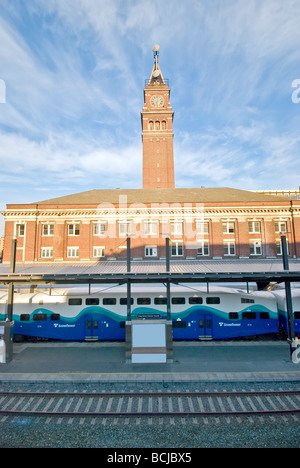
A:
164, 195
154, 271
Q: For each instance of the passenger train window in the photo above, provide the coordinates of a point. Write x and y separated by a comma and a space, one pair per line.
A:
195, 300
249, 315
24, 317
297, 315
92, 301
144, 300
109, 301
39, 317
123, 300
75, 301
160, 300
233, 315
55, 316
264, 315
245, 300
178, 300
213, 300
179, 324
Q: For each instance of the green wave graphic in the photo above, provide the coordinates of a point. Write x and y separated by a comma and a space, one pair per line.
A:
96, 310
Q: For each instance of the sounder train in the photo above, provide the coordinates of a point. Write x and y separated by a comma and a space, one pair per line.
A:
197, 313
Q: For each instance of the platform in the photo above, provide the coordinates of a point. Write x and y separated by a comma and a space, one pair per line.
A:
192, 361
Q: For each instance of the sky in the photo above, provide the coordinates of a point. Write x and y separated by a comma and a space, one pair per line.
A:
72, 74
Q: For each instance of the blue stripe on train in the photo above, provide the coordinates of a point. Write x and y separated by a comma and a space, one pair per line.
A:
98, 323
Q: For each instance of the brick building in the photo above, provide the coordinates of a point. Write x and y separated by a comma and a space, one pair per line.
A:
202, 223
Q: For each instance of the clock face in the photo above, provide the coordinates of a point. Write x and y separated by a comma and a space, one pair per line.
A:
157, 101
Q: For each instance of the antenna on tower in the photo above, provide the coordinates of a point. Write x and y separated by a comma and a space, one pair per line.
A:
155, 52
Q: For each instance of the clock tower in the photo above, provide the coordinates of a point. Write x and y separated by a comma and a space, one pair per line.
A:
157, 131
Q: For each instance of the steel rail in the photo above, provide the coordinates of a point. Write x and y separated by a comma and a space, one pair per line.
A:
171, 413
153, 394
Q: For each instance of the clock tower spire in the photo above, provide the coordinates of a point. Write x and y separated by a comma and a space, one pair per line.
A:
157, 131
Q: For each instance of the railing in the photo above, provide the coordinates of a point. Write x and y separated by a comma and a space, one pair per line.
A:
166, 82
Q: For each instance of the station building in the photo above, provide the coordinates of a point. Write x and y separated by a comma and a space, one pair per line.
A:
201, 223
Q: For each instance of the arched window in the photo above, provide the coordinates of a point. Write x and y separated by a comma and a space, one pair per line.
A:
151, 125
157, 125
164, 125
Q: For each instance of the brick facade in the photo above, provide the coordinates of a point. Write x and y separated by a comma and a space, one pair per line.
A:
213, 230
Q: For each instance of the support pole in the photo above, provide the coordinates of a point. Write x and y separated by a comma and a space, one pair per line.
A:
128, 300
169, 335
7, 327
167, 254
128, 255
10, 299
288, 295
128, 282
168, 301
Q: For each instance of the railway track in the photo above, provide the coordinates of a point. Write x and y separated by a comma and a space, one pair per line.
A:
151, 404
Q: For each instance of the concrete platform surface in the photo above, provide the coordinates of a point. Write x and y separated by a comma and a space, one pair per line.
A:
192, 361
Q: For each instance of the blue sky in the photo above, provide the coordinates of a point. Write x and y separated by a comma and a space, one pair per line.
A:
71, 91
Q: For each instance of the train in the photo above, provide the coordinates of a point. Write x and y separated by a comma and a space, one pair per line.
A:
279, 294
100, 313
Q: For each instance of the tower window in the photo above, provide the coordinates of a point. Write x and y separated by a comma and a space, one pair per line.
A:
157, 125
164, 125
151, 125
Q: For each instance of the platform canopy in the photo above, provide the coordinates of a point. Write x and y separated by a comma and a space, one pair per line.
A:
263, 271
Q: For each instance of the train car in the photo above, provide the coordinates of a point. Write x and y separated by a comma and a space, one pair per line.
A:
279, 294
197, 314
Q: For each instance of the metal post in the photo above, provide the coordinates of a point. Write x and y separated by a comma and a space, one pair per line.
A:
10, 299
169, 336
128, 255
288, 295
168, 301
128, 300
167, 254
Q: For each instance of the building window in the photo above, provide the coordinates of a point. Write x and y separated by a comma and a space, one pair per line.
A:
280, 226
73, 229
47, 252
254, 227
151, 251
150, 228
124, 228
48, 229
73, 252
177, 249
164, 125
279, 247
229, 247
203, 248
99, 229
255, 247
151, 125
176, 228
201, 227
157, 125
20, 230
228, 227
98, 252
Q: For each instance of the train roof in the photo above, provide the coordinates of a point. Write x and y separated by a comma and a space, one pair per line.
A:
135, 289
281, 293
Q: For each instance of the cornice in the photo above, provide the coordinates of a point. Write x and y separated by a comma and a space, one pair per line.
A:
153, 211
